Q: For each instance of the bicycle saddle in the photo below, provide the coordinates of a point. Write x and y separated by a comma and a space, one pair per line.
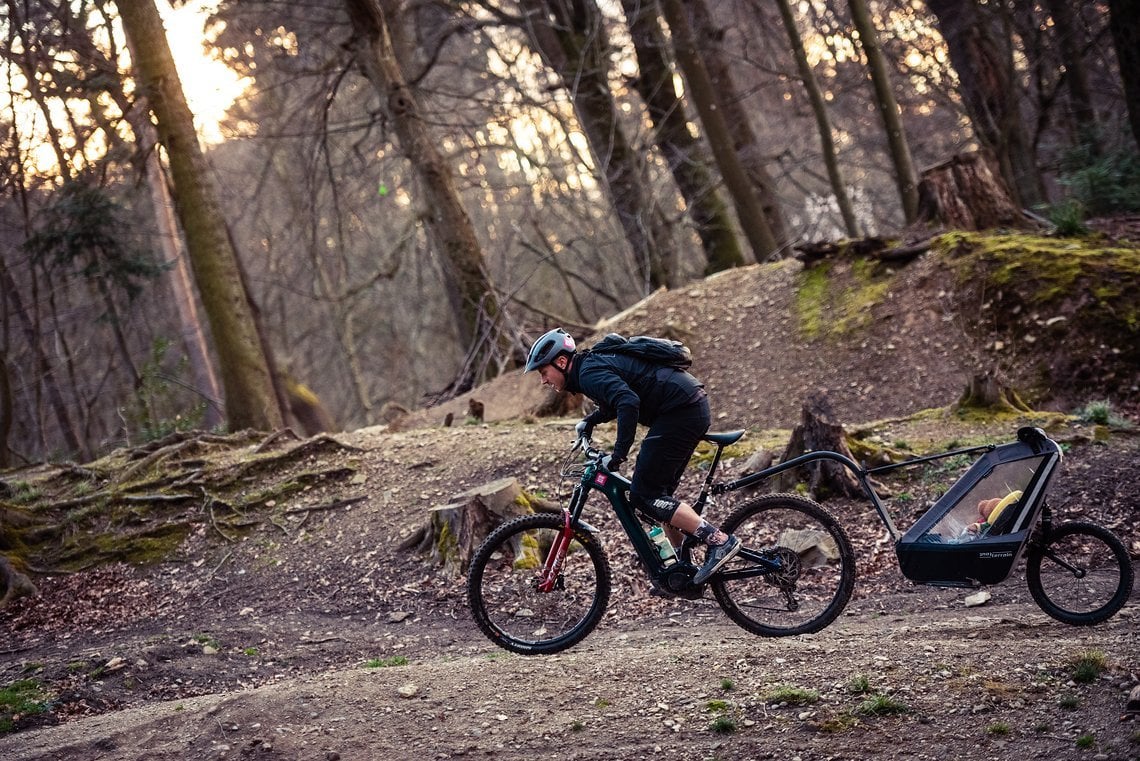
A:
725, 438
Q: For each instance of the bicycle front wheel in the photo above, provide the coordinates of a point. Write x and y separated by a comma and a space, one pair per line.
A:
1080, 573
795, 573
502, 586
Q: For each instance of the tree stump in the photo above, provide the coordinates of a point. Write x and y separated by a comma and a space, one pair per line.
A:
760, 459
819, 431
13, 584
984, 391
964, 193
454, 531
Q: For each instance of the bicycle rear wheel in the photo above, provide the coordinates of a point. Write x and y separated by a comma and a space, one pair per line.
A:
813, 567
1080, 573
502, 586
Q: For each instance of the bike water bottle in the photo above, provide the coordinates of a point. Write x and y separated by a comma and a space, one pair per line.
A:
664, 547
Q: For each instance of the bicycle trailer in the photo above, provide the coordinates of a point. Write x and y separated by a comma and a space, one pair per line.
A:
975, 533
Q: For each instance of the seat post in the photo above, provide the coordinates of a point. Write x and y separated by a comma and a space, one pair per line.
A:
721, 440
703, 496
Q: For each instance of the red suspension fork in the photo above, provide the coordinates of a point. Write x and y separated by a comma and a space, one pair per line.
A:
556, 557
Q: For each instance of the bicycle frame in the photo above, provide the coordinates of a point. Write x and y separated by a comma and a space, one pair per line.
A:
674, 577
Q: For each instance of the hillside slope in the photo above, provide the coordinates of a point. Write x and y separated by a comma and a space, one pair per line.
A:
886, 342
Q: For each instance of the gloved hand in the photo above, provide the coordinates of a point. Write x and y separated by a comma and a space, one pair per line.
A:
611, 463
583, 430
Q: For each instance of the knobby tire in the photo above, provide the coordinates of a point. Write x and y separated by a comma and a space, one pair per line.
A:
815, 554
502, 586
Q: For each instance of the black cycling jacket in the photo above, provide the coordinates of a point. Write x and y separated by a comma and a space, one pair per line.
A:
631, 390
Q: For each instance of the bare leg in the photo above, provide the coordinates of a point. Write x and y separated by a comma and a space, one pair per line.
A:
686, 519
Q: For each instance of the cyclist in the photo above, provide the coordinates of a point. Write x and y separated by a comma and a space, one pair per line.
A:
668, 400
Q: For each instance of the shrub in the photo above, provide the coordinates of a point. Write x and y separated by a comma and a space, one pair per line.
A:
881, 705
794, 696
723, 724
1102, 183
1089, 665
1068, 217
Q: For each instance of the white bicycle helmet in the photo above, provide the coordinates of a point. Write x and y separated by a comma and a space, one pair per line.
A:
547, 348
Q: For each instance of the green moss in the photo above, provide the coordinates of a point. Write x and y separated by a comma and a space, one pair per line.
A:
837, 300
811, 299
21, 699
446, 545
528, 556
1044, 271
705, 452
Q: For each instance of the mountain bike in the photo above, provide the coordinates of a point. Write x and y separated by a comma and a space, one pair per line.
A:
540, 583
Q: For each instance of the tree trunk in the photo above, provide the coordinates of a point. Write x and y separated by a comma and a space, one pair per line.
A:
749, 210
1068, 32
474, 300
983, 60
179, 280
965, 194
6, 407
48, 377
823, 124
246, 377
819, 431
684, 153
905, 178
743, 141
1124, 20
455, 530
570, 36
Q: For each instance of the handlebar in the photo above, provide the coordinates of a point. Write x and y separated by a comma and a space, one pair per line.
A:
587, 446
593, 454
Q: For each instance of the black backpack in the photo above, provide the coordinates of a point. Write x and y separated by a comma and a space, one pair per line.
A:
659, 351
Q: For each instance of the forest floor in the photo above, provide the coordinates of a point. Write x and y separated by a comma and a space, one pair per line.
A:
313, 636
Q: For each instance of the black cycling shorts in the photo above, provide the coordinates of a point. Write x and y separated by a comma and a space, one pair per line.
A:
665, 453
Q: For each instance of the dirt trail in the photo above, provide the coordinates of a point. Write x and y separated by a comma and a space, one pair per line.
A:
994, 682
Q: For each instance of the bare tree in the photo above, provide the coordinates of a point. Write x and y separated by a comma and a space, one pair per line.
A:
472, 295
905, 177
571, 37
823, 123
706, 40
684, 153
1069, 34
981, 54
750, 210
251, 401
